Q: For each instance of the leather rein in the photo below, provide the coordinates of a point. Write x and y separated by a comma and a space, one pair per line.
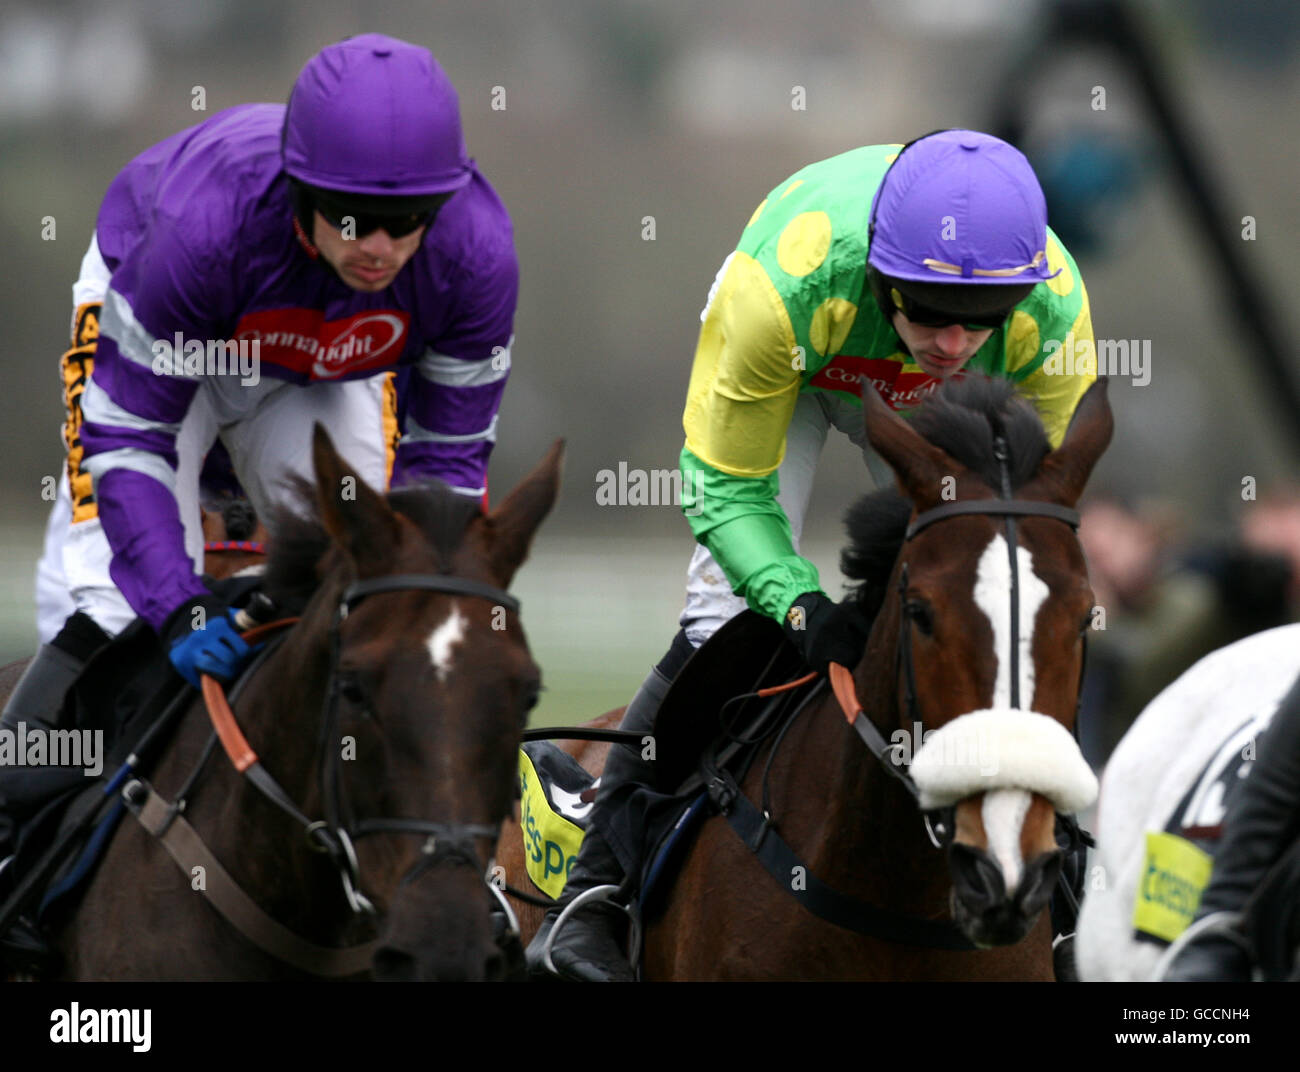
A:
757, 829
335, 834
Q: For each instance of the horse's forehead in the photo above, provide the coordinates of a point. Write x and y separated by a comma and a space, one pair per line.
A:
445, 638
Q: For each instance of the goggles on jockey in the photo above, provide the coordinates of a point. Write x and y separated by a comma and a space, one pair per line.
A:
398, 216
934, 305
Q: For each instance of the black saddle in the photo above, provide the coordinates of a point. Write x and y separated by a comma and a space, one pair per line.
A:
711, 702
750, 652
123, 693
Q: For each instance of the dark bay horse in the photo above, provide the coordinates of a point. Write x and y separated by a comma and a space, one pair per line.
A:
389, 716
991, 638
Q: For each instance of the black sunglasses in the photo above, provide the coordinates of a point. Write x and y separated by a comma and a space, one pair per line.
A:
928, 317
364, 223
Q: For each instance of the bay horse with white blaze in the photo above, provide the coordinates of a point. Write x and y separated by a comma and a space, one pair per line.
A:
387, 722
982, 602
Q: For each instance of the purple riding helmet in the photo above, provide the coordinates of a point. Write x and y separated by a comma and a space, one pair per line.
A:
373, 126
959, 223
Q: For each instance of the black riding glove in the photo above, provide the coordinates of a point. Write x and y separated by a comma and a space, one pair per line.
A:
826, 632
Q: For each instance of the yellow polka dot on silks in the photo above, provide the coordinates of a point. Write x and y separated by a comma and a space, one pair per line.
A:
757, 212
804, 243
1022, 337
790, 189
831, 324
1063, 283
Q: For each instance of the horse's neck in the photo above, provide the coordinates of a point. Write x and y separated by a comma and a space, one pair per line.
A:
262, 847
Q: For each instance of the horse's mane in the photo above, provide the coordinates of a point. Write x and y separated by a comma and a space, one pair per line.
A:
961, 418
299, 541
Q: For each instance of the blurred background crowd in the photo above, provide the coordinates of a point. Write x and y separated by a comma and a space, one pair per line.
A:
1173, 592
590, 116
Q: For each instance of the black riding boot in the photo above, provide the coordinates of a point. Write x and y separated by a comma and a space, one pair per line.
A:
1262, 823
587, 948
35, 703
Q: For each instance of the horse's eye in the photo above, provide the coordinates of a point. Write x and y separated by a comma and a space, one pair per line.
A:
921, 614
531, 698
351, 689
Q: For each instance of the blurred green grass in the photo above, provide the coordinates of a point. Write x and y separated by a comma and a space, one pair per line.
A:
598, 613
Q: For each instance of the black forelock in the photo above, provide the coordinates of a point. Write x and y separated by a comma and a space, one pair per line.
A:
876, 524
299, 542
961, 418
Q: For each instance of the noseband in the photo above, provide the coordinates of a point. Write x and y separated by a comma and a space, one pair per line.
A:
336, 833
452, 842
939, 824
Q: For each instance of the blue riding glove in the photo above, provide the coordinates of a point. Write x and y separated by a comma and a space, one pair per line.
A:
215, 649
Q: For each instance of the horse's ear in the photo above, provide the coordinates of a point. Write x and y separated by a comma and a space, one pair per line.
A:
919, 465
1066, 470
353, 513
511, 525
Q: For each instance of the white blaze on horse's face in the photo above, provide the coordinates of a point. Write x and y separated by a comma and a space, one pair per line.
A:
445, 637
993, 597
1003, 813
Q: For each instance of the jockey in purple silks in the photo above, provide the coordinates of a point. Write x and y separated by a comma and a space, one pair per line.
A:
269, 268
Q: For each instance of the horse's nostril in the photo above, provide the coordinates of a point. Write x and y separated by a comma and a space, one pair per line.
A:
394, 966
977, 876
1041, 876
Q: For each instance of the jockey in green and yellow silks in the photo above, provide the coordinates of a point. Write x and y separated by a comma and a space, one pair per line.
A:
792, 315
903, 264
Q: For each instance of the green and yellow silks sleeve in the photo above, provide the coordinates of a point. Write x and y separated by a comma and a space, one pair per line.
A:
744, 385
739, 520
1050, 350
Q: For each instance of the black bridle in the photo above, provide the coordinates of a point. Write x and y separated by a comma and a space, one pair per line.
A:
336, 833
757, 829
939, 824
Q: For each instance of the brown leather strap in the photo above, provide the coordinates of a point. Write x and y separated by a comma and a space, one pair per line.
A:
223, 721
185, 846
842, 685
223, 718
772, 690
